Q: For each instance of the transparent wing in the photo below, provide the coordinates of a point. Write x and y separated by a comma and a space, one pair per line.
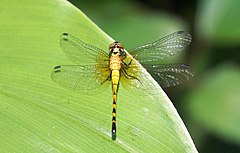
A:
170, 75
134, 78
162, 48
86, 79
80, 52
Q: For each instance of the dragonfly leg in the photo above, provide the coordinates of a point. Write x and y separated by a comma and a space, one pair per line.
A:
127, 65
108, 79
129, 76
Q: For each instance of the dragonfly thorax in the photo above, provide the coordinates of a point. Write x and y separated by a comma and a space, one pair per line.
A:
115, 55
115, 49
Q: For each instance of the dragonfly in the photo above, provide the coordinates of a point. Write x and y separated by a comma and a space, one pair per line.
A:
96, 69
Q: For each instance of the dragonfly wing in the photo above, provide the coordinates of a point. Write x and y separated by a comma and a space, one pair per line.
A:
86, 79
134, 78
162, 48
80, 52
171, 74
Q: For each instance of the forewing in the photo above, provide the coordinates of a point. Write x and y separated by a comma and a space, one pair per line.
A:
80, 52
170, 75
86, 79
162, 48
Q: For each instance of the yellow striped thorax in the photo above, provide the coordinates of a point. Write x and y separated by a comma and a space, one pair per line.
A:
116, 49
116, 55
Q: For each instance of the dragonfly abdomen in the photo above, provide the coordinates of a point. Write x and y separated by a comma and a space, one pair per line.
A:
115, 82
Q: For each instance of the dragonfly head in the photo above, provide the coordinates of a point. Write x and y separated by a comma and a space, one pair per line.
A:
116, 48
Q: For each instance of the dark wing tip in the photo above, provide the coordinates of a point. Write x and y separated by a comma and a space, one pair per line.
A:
57, 69
181, 32
185, 65
187, 69
65, 34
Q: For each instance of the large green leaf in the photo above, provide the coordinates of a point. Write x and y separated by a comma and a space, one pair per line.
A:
36, 115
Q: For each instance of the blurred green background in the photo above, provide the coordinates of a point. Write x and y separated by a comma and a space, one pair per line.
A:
210, 103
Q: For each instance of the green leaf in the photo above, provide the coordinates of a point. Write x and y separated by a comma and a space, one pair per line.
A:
215, 103
36, 115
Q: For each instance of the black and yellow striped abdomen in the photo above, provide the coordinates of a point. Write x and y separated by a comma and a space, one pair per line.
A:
115, 83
